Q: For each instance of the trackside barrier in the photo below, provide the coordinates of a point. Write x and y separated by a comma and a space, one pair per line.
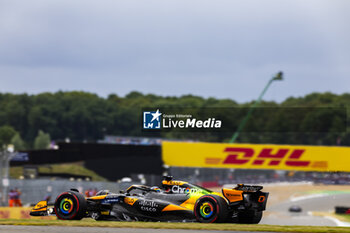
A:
342, 210
35, 190
19, 213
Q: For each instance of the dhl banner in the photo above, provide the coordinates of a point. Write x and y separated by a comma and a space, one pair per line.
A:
19, 213
257, 156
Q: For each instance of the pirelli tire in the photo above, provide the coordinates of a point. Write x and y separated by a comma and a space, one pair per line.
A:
210, 209
70, 205
250, 217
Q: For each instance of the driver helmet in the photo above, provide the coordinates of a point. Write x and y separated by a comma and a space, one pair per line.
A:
102, 192
156, 188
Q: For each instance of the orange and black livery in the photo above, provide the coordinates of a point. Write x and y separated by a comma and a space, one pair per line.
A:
174, 201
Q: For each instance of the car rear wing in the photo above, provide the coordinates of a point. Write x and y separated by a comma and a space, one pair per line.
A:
248, 188
254, 194
260, 199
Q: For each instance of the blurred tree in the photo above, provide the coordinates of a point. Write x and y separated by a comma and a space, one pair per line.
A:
6, 134
134, 95
42, 141
86, 116
18, 142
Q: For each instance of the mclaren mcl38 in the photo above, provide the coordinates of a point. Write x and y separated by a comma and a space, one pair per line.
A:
175, 201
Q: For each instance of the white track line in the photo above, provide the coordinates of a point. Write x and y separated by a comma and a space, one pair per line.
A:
335, 220
300, 198
338, 222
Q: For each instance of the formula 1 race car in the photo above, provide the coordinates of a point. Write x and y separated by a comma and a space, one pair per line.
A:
176, 201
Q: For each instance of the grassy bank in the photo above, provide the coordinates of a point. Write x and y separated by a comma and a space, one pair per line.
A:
76, 168
163, 225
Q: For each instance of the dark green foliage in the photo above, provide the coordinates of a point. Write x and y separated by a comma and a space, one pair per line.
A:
82, 116
6, 134
18, 142
42, 141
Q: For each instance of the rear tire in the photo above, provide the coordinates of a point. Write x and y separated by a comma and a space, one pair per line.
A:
211, 208
70, 206
250, 217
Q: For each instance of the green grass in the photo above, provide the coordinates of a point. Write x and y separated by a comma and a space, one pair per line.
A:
16, 172
71, 168
163, 225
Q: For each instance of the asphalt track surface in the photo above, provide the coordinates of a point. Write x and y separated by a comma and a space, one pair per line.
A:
56, 229
278, 214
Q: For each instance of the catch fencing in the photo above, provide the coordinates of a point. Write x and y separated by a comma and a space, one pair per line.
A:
38, 189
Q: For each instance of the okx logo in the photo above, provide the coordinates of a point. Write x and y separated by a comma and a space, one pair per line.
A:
151, 120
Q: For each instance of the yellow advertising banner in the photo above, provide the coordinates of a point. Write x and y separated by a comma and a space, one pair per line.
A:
257, 156
19, 213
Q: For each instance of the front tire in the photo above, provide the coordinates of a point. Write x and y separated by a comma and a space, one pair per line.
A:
210, 209
70, 206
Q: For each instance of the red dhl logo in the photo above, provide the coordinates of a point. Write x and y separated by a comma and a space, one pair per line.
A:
289, 157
